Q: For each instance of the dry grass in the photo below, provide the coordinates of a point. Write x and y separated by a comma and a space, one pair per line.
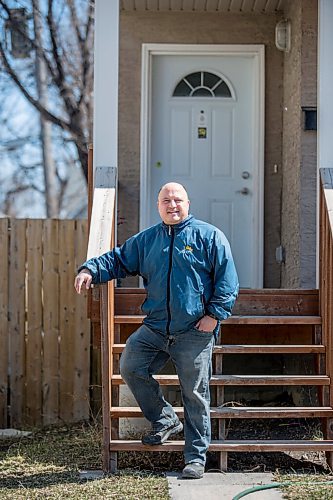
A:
47, 464
306, 486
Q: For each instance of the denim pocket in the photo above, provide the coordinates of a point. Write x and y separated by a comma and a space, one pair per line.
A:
196, 330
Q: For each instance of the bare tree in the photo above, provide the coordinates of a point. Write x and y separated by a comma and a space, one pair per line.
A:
63, 46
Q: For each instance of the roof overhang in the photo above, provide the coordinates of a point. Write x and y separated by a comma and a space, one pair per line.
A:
234, 6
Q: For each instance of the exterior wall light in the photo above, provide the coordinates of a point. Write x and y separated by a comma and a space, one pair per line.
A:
283, 35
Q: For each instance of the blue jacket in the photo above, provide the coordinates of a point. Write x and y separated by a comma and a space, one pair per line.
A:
187, 270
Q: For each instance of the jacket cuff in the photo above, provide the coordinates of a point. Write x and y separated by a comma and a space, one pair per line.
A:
212, 315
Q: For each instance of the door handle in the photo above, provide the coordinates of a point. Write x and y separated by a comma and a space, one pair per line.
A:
244, 191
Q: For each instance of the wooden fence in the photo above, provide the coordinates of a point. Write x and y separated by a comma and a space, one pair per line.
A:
44, 331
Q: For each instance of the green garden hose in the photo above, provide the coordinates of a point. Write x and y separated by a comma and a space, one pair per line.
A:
271, 486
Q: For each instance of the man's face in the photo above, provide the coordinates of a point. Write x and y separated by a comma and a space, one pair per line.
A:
173, 203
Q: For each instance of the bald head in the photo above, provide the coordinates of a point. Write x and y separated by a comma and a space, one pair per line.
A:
172, 185
173, 203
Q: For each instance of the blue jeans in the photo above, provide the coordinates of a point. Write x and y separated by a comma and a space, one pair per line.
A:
145, 354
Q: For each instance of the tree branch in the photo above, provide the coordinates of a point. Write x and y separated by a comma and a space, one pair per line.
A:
41, 53
48, 115
60, 79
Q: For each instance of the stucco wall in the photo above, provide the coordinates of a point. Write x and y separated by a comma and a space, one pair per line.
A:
299, 149
187, 27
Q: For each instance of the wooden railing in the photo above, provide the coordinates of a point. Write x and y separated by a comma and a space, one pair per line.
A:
101, 240
326, 279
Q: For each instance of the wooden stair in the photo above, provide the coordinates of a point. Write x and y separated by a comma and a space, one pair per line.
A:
274, 323
239, 412
222, 380
266, 322
227, 446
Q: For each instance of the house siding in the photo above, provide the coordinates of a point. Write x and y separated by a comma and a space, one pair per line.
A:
299, 149
191, 28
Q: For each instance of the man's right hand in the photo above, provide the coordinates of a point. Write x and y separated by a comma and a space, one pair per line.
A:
84, 278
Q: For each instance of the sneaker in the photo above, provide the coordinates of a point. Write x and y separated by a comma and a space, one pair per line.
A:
194, 470
156, 437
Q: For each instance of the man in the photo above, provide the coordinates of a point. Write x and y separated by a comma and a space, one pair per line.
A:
191, 282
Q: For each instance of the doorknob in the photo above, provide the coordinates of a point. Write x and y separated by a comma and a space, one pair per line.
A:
244, 190
245, 174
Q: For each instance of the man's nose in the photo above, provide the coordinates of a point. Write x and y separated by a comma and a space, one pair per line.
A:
173, 203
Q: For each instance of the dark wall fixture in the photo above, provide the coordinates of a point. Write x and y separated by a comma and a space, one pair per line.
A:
309, 118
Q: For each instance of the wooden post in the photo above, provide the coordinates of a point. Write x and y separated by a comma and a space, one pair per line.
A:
101, 239
326, 284
106, 326
223, 455
4, 333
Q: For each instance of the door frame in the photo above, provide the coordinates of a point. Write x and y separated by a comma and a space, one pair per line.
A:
256, 51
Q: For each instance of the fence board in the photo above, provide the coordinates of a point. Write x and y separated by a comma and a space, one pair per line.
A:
16, 325
3, 321
50, 287
82, 332
33, 377
44, 331
67, 319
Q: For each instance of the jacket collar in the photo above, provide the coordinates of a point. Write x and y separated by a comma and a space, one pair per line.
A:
178, 227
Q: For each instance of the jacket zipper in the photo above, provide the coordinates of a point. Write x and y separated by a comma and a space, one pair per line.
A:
172, 234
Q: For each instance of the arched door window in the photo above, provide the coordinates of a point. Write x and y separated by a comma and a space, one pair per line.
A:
202, 84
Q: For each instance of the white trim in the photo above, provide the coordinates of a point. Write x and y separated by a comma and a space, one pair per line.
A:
325, 78
258, 51
106, 69
324, 101
105, 134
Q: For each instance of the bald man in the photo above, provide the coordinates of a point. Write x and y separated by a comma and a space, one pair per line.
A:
191, 283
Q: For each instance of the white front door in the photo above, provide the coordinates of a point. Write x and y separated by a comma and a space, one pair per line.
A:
205, 133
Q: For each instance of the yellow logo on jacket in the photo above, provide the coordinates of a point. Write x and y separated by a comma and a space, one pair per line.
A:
188, 248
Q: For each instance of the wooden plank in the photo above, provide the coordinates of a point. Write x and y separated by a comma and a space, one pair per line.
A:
51, 325
100, 233
245, 380
270, 349
81, 333
240, 320
273, 320
115, 389
326, 176
16, 325
113, 336
106, 370
220, 390
255, 349
249, 302
326, 283
90, 200
33, 374
238, 412
96, 372
4, 333
241, 446
67, 319
328, 304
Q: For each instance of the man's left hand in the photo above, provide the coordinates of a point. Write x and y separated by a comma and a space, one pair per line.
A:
206, 324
